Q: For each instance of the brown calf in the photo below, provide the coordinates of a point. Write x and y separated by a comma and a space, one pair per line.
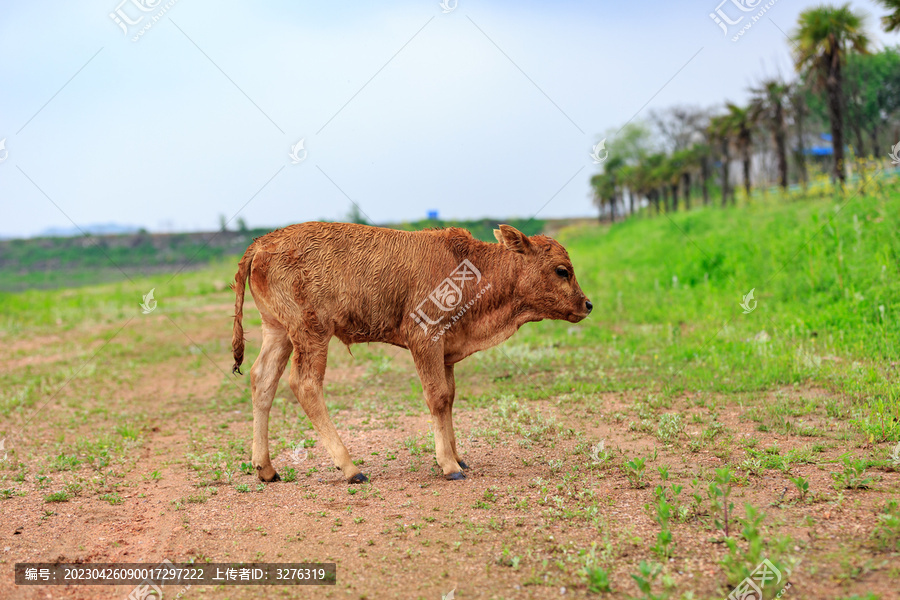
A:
440, 293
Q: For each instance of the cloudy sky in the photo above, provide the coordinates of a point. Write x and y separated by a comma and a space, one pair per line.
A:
488, 109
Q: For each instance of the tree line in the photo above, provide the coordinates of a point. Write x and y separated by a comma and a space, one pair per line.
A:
845, 95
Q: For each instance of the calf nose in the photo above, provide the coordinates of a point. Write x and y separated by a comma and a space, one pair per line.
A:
588, 305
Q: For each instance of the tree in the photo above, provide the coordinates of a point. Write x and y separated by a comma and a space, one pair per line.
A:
702, 154
658, 179
636, 178
739, 123
628, 148
606, 186
628, 183
859, 97
645, 178
891, 22
685, 163
719, 131
682, 130
824, 36
680, 126
769, 103
604, 193
798, 99
674, 166
872, 91
356, 215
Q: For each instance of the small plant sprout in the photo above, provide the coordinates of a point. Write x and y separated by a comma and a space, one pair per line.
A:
647, 573
597, 580
755, 549
802, 486
663, 472
853, 475
887, 533
661, 491
664, 538
719, 494
753, 466
634, 470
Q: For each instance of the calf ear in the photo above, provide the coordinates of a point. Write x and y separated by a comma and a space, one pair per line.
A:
513, 239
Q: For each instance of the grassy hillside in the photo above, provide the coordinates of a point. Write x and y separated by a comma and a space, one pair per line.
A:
667, 294
84, 260
603, 453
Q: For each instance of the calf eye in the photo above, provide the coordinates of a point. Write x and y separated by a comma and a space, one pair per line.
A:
562, 272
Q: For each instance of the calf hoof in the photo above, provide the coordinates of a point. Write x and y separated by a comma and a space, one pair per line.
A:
463, 465
267, 474
359, 478
275, 477
454, 476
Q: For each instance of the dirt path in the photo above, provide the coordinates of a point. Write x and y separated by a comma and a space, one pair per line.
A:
150, 458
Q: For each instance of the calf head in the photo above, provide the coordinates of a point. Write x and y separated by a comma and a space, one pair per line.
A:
546, 281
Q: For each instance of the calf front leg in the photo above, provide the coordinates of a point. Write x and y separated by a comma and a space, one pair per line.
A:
451, 384
439, 397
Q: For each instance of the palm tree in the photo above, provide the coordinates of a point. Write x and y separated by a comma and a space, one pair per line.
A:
612, 168
652, 177
891, 22
637, 178
825, 35
797, 98
672, 174
769, 101
661, 175
606, 186
686, 161
626, 176
702, 153
600, 189
703, 150
740, 123
719, 129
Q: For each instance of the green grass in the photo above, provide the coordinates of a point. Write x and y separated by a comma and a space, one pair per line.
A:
113, 499
79, 260
667, 294
667, 320
668, 360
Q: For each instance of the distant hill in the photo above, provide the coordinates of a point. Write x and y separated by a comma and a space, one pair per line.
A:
93, 229
67, 259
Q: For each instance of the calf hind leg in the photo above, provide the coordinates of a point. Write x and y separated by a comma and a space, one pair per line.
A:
264, 376
307, 377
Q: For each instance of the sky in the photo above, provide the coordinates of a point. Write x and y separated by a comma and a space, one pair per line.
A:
472, 109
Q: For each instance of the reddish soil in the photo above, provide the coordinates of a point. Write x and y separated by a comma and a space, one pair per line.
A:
518, 527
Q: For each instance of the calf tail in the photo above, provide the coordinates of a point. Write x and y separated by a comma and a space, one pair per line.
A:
237, 337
